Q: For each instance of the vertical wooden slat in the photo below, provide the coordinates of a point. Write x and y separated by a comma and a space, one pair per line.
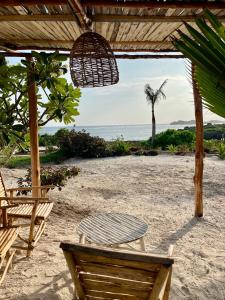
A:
199, 150
33, 123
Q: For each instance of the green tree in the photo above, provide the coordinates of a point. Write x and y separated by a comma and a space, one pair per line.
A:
57, 100
205, 47
153, 97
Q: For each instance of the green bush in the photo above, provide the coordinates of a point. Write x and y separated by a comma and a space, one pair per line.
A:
172, 149
56, 176
211, 146
173, 137
47, 140
80, 143
221, 151
119, 147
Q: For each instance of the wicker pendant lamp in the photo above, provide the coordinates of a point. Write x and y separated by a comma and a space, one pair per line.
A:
92, 62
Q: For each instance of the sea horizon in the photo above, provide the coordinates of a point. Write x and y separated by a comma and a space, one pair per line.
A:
132, 132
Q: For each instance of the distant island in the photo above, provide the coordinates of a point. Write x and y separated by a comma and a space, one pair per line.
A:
192, 122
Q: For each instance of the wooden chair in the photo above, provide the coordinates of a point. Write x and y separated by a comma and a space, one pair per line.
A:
34, 210
8, 236
114, 274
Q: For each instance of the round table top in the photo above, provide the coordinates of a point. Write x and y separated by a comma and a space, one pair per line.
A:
112, 228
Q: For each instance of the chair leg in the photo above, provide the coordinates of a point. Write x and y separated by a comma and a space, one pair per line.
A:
30, 239
8, 258
142, 244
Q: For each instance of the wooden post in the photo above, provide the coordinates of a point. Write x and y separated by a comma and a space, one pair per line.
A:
199, 149
33, 124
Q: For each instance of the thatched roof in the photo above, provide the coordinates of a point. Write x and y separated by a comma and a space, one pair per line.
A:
127, 25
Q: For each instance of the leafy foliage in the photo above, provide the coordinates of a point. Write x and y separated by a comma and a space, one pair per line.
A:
173, 137
221, 151
81, 143
206, 49
172, 149
57, 100
119, 147
56, 176
215, 132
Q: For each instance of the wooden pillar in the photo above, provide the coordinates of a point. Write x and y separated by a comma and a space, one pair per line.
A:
199, 150
33, 124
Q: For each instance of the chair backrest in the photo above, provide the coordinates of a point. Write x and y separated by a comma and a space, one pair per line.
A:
116, 274
2, 191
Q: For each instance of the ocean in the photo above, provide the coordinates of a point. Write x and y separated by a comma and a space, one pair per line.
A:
112, 132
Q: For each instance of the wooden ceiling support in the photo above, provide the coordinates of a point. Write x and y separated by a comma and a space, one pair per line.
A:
118, 56
63, 42
156, 19
154, 4
41, 17
78, 10
148, 56
31, 2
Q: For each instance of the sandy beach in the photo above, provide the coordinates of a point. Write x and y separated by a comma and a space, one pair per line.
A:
158, 190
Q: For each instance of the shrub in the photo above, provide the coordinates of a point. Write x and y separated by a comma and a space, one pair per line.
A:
47, 140
152, 152
182, 149
211, 146
56, 176
173, 137
119, 147
147, 152
80, 143
60, 134
172, 149
221, 151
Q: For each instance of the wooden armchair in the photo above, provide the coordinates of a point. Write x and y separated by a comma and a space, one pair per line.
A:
34, 210
8, 236
115, 274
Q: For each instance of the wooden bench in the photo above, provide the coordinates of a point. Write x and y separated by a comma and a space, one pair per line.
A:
100, 273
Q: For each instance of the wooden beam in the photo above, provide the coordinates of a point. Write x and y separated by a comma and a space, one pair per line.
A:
78, 10
102, 18
66, 49
199, 149
155, 4
63, 42
33, 123
41, 17
155, 19
31, 2
119, 56
148, 56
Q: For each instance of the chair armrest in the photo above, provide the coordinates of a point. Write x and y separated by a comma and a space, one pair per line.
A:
8, 206
26, 200
43, 187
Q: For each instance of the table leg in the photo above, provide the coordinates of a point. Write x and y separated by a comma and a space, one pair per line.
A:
142, 244
82, 239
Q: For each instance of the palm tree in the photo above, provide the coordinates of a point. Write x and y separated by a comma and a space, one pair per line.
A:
153, 96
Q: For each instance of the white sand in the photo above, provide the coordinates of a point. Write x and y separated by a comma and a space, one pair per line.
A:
157, 189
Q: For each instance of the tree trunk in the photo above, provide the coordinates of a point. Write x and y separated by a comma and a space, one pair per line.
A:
199, 152
153, 125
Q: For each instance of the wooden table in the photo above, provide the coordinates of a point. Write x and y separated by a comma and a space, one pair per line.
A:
112, 229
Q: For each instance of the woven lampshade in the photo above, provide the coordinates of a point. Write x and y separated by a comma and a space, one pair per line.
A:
92, 62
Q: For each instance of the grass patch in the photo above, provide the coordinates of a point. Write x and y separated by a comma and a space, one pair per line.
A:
24, 161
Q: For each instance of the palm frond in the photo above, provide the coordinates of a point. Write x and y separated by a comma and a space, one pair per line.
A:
159, 93
206, 50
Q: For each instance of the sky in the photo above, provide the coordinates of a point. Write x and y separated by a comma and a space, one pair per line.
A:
125, 103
